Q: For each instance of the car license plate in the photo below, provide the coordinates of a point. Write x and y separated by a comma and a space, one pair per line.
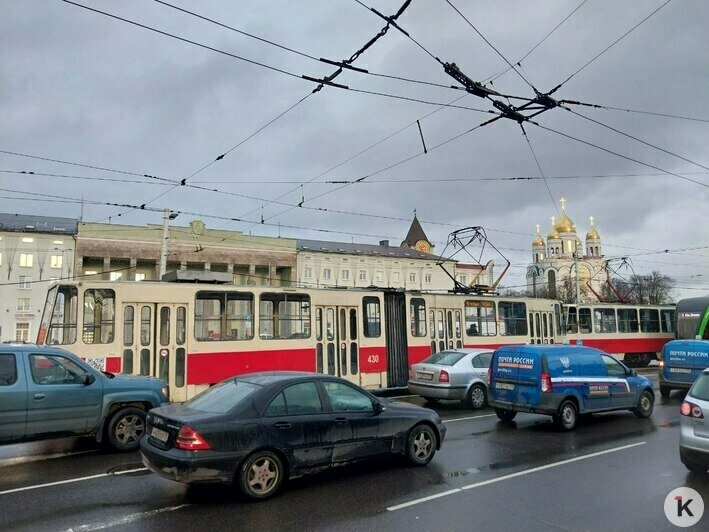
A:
680, 370
425, 376
159, 434
504, 386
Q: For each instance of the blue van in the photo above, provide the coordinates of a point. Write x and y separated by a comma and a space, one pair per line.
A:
681, 364
564, 381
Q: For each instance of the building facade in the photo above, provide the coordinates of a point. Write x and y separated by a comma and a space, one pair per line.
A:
34, 250
562, 259
133, 253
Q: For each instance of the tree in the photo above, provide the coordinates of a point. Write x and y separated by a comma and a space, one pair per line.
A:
654, 288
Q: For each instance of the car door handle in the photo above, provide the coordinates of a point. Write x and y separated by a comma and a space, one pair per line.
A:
341, 420
284, 424
39, 396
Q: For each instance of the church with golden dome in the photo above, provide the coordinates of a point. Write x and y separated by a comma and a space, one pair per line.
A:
558, 261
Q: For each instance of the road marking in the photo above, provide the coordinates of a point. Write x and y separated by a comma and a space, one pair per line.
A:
469, 417
126, 519
512, 475
71, 480
5, 462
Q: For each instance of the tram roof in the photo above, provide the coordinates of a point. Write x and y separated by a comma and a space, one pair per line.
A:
693, 304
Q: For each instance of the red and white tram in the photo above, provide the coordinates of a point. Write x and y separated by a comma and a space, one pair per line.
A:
194, 335
634, 333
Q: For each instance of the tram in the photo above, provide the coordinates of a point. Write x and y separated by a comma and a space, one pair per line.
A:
194, 335
633, 333
693, 318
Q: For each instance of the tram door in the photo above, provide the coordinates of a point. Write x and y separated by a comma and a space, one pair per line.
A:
541, 327
337, 347
154, 343
446, 326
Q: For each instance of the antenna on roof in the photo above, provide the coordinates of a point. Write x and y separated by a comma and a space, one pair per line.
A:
81, 214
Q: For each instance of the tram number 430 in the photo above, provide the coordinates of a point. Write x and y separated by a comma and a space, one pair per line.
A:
373, 359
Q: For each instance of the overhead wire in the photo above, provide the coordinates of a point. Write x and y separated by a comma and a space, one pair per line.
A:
638, 111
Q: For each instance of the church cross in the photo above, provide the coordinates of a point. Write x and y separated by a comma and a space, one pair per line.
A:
563, 203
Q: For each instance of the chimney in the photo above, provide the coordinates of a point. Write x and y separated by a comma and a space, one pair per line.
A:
384, 243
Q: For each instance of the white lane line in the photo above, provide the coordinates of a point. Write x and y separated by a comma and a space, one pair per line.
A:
512, 475
469, 417
71, 480
125, 519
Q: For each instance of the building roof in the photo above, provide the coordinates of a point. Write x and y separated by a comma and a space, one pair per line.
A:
375, 250
415, 234
31, 223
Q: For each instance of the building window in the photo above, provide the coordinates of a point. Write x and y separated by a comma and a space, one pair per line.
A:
363, 275
22, 332
412, 277
463, 279
25, 282
396, 277
56, 261
140, 277
116, 276
345, 275
379, 276
90, 272
23, 303
26, 260
308, 272
28, 240
427, 278
326, 274
58, 242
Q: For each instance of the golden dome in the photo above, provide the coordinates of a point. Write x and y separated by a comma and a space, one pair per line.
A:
592, 233
565, 224
538, 241
552, 234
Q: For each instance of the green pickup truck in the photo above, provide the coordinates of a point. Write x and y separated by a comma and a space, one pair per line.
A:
47, 392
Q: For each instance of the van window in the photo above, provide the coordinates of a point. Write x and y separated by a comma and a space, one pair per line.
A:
649, 320
613, 367
627, 320
585, 320
605, 320
513, 318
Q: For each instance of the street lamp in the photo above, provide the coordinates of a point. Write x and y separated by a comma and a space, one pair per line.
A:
167, 215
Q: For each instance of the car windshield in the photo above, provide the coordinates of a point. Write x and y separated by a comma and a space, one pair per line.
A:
222, 397
445, 358
700, 390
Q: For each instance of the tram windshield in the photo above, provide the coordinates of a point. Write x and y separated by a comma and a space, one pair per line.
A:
692, 318
58, 325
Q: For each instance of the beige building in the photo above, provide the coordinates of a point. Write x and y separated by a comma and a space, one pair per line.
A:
133, 253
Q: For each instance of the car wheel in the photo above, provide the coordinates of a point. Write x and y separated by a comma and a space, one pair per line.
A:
568, 415
665, 391
646, 403
421, 445
505, 415
125, 429
260, 475
477, 396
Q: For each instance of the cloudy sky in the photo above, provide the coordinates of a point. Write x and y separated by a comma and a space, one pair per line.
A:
81, 87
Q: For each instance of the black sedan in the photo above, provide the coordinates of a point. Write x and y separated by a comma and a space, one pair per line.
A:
259, 429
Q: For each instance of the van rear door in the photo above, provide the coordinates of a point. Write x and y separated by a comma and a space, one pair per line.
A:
529, 371
504, 375
682, 363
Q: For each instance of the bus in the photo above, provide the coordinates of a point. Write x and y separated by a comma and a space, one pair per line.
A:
693, 318
194, 335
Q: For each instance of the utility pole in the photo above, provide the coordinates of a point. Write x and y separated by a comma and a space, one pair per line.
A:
576, 265
167, 215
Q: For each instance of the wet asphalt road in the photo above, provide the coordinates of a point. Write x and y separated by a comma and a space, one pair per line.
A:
612, 473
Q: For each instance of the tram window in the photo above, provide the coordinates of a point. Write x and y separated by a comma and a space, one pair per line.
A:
164, 325
627, 320
144, 360
223, 316
433, 346
572, 325
418, 317
585, 326
181, 325
128, 325
372, 318
343, 359
480, 318
62, 327
239, 317
284, 316
318, 324
343, 325
353, 324
441, 330
513, 318
457, 324
127, 366
145, 325
180, 367
531, 324
318, 358
557, 318
432, 323
331, 358
537, 324
649, 320
545, 325
449, 315
667, 319
604, 319
354, 360
330, 324
99, 315
164, 367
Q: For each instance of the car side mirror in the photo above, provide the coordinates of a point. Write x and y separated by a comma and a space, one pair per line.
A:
88, 379
378, 407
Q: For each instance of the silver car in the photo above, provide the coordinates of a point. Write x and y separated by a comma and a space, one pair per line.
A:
458, 375
694, 426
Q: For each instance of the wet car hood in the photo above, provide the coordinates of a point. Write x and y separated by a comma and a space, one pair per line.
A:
400, 406
119, 380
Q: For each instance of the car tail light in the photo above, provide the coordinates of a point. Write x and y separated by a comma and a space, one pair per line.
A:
443, 377
546, 383
691, 410
190, 440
